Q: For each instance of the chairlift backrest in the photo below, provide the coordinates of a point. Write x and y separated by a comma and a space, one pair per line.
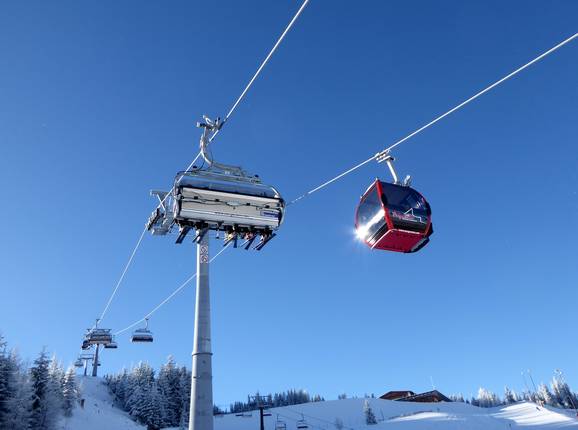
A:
142, 334
224, 201
99, 336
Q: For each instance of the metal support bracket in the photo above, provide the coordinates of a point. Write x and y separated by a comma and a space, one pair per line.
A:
200, 234
183, 231
388, 158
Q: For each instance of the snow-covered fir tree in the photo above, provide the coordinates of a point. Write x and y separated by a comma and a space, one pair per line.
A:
545, 396
369, 415
31, 399
486, 399
562, 394
69, 392
509, 396
457, 398
15, 394
46, 406
185, 390
169, 384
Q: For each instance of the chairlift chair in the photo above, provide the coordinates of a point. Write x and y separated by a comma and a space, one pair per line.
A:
302, 425
78, 363
112, 345
142, 335
219, 197
280, 424
98, 336
227, 202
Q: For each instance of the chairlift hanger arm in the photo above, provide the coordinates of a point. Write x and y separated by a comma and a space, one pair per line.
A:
210, 129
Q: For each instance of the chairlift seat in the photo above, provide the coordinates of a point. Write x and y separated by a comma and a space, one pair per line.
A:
224, 201
99, 336
141, 335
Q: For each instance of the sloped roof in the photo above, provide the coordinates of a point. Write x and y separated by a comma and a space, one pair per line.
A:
394, 395
434, 394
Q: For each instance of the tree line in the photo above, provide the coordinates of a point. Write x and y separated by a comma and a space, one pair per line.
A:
155, 400
285, 398
35, 397
557, 394
160, 400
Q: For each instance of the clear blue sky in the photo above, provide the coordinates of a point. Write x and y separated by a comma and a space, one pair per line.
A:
98, 102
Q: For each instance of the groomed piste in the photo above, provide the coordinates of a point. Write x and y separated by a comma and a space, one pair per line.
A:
100, 413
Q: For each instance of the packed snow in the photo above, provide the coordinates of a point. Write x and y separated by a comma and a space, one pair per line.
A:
100, 413
349, 414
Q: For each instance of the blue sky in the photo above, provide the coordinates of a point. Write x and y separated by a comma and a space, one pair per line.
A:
98, 103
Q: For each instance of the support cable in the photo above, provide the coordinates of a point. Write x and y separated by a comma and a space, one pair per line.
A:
128, 263
439, 118
239, 99
136, 247
169, 297
258, 72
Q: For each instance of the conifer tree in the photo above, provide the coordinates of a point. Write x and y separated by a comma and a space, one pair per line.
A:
45, 407
509, 396
69, 392
368, 412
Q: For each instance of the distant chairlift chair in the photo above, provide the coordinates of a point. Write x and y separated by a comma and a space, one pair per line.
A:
112, 345
302, 424
142, 335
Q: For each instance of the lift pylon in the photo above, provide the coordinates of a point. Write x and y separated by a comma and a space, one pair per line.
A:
201, 413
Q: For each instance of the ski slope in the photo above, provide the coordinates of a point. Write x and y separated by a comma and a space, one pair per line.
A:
99, 413
407, 416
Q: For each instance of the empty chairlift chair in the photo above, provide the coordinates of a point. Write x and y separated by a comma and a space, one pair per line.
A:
112, 344
78, 363
280, 424
142, 335
302, 424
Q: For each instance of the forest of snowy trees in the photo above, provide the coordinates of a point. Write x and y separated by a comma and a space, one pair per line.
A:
34, 397
287, 398
558, 395
155, 400
162, 400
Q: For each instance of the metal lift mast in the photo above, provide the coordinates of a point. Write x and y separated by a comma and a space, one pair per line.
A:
201, 413
95, 362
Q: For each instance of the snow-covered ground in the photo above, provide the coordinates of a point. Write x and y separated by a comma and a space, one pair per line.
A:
407, 416
99, 413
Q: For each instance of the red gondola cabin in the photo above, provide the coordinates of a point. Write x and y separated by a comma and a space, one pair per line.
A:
393, 218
